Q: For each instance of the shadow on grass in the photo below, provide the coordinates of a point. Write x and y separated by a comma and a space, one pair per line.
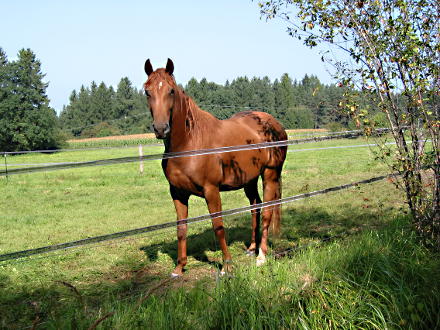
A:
199, 245
299, 225
21, 306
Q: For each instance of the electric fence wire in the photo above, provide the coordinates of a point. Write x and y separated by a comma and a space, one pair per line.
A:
356, 132
290, 150
169, 155
153, 228
49, 151
64, 253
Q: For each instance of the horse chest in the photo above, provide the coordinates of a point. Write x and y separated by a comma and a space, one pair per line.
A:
185, 176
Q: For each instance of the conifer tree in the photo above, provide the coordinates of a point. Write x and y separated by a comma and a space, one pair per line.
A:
26, 120
124, 105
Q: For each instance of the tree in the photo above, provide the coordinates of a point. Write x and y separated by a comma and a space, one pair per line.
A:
98, 110
283, 95
263, 97
75, 117
241, 92
101, 102
299, 117
393, 46
124, 105
26, 120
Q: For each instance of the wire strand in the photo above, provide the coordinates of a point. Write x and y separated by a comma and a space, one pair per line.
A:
152, 228
170, 155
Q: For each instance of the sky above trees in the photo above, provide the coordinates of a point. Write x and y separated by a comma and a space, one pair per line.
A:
84, 41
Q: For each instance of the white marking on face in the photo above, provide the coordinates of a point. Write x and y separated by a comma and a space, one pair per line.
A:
160, 85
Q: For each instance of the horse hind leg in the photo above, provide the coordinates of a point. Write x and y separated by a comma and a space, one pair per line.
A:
271, 191
276, 213
251, 191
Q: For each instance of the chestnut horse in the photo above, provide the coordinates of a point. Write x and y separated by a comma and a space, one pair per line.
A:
184, 126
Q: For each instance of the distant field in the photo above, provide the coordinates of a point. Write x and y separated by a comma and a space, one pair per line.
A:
116, 137
148, 138
151, 135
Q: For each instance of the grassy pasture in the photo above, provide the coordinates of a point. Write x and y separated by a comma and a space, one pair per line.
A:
372, 274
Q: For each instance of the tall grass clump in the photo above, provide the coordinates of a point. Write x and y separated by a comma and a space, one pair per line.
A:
374, 280
380, 279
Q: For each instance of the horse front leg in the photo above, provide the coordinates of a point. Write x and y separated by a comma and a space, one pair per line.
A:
213, 200
181, 204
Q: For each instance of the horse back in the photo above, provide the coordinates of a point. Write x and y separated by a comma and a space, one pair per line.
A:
267, 129
266, 125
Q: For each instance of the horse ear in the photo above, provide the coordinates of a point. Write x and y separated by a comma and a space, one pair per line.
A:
148, 67
170, 67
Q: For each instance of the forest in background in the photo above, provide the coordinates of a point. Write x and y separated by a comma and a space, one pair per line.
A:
28, 122
100, 110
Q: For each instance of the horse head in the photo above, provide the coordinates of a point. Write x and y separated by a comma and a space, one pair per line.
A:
160, 89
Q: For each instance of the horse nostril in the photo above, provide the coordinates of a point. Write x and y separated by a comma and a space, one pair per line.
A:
167, 129
161, 129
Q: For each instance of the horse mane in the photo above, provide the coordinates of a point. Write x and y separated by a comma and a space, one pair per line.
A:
197, 121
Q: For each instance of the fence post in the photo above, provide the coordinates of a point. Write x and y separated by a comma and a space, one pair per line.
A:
6, 166
141, 160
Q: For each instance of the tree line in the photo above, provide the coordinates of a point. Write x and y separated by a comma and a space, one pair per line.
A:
99, 110
28, 123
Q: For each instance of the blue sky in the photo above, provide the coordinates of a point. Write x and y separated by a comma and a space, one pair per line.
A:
81, 41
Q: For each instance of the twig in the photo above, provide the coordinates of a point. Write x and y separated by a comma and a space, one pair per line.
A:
96, 323
151, 290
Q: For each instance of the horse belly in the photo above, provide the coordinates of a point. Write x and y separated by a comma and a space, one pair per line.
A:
240, 168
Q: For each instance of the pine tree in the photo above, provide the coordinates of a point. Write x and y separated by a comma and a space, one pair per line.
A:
26, 120
124, 105
242, 92
6, 124
263, 97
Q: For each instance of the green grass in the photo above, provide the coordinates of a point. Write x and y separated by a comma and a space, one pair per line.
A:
373, 274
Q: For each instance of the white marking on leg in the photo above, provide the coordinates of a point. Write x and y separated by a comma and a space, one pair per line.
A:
174, 275
261, 259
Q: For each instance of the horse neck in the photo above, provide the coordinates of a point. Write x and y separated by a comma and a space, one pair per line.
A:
187, 128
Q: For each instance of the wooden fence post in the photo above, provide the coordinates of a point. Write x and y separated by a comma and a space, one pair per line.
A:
141, 160
6, 167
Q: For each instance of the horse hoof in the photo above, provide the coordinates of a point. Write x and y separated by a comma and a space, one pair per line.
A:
261, 259
174, 275
250, 253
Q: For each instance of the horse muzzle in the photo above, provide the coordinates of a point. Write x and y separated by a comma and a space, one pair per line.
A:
161, 130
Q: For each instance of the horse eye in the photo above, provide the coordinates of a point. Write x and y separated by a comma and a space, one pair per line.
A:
147, 93
172, 92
